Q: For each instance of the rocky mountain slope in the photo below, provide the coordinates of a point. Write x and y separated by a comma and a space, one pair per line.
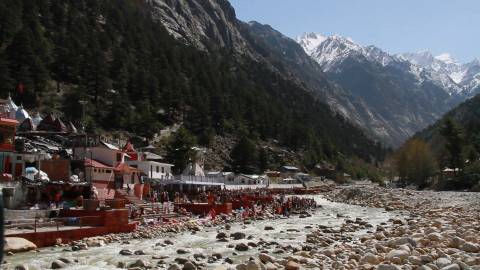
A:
211, 25
403, 97
215, 75
388, 96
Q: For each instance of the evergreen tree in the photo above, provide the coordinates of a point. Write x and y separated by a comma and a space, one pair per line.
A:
454, 136
10, 20
179, 150
263, 162
244, 157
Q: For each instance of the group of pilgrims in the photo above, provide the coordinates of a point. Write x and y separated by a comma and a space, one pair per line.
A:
251, 203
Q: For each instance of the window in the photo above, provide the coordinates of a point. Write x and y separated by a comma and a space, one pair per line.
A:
94, 170
163, 169
158, 169
108, 171
119, 157
19, 157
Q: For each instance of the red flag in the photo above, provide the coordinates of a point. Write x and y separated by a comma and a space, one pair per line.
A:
20, 88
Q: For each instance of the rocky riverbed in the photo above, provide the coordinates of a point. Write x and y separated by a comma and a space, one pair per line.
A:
198, 245
358, 228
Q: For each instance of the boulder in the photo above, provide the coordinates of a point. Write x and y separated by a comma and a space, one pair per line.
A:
397, 255
126, 252
266, 258
442, 262
21, 267
238, 235
388, 267
139, 252
402, 241
255, 265
241, 247
17, 244
57, 264
470, 247
181, 260
174, 267
221, 235
370, 259
140, 264
291, 265
189, 266
456, 242
452, 267
182, 251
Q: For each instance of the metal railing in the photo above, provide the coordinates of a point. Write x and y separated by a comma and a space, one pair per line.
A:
199, 179
36, 223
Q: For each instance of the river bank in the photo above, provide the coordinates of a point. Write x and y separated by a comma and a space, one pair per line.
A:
207, 246
357, 228
441, 231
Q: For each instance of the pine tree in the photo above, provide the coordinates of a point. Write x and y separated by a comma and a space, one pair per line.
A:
179, 150
244, 157
263, 161
10, 20
454, 136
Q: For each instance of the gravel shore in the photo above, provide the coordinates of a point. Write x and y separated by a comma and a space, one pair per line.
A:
427, 230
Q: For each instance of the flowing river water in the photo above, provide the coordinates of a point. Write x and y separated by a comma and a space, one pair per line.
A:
289, 231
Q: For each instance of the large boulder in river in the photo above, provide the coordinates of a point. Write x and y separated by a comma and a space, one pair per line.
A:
238, 235
140, 264
17, 244
241, 247
221, 235
189, 266
57, 264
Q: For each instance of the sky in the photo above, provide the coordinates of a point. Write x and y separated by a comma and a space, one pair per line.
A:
396, 26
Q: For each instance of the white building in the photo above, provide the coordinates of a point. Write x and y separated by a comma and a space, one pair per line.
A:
244, 179
105, 153
153, 169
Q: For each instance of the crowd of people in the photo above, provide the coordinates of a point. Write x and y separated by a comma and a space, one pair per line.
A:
245, 202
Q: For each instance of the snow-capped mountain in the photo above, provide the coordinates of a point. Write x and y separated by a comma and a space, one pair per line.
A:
331, 50
466, 76
403, 95
442, 70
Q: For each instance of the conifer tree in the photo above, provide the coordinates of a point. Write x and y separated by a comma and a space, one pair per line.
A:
454, 136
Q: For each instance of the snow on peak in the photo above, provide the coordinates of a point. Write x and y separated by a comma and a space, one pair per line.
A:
328, 50
446, 58
310, 41
443, 70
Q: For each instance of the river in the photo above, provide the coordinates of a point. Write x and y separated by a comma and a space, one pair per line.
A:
289, 231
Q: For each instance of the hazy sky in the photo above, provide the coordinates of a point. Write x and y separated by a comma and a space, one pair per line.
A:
439, 26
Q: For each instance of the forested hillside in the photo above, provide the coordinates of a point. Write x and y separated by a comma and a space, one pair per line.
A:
136, 77
464, 120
